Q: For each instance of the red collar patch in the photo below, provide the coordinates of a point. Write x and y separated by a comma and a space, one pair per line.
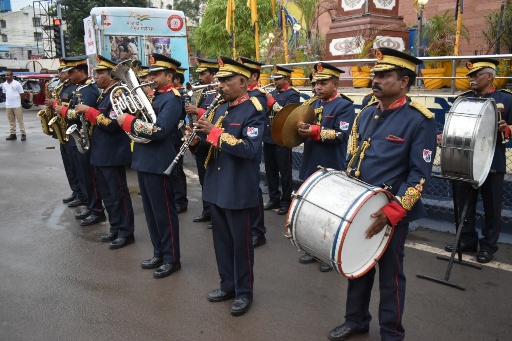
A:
239, 100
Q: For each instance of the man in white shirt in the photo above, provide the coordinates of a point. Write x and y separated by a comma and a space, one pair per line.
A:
13, 96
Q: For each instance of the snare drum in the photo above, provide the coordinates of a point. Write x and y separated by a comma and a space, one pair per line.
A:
469, 139
329, 216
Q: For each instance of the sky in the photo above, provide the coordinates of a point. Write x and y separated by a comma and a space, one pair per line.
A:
16, 5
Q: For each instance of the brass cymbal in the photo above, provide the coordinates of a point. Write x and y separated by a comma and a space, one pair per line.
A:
277, 125
304, 113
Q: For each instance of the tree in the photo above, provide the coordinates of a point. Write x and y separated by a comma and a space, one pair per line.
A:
191, 8
490, 35
212, 39
74, 11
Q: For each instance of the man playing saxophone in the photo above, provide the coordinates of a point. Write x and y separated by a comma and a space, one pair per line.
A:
88, 93
110, 153
151, 159
62, 98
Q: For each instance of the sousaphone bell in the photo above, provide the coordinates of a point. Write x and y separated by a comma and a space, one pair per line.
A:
286, 124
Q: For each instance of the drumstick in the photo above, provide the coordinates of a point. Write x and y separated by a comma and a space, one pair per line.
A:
501, 108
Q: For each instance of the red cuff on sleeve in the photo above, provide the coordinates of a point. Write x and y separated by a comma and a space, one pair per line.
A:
64, 110
315, 132
214, 135
54, 104
127, 124
394, 212
270, 102
200, 112
91, 114
507, 132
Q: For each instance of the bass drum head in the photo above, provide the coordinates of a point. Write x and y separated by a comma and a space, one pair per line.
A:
484, 142
359, 254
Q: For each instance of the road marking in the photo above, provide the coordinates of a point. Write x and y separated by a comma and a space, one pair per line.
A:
470, 259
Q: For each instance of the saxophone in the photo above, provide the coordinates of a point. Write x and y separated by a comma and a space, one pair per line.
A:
82, 136
58, 124
47, 113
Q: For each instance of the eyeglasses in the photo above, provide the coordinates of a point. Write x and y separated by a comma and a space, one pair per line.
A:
479, 74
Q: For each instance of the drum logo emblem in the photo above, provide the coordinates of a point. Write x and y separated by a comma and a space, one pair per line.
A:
427, 155
252, 131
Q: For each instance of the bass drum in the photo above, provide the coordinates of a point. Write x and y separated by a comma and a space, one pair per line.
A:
328, 218
469, 139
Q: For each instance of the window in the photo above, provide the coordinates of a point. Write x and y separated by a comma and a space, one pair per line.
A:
38, 36
36, 22
3, 24
4, 38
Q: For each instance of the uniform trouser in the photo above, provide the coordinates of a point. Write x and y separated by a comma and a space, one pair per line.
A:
391, 287
179, 182
113, 188
233, 249
258, 218
94, 199
492, 196
201, 171
14, 114
71, 172
278, 162
161, 215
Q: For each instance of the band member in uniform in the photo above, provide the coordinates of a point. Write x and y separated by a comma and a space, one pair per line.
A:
258, 228
151, 159
231, 140
326, 138
88, 93
64, 96
278, 159
179, 179
392, 144
110, 153
482, 72
207, 69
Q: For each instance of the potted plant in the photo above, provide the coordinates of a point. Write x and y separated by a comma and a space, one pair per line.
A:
439, 34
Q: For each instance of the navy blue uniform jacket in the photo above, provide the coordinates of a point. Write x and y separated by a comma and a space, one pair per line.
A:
232, 173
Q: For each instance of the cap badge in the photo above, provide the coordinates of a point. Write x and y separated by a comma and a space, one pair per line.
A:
319, 67
379, 55
151, 60
469, 65
221, 63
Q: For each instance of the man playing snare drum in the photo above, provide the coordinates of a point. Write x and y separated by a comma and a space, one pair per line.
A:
393, 145
481, 76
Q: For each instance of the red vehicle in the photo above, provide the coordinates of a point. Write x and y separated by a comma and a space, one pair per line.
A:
34, 86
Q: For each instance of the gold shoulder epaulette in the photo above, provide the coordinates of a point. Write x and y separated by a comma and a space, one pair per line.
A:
295, 89
369, 104
309, 101
88, 81
261, 90
464, 93
256, 103
368, 94
427, 113
176, 92
506, 90
347, 98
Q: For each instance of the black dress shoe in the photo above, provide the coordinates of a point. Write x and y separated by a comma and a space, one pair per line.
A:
121, 242
23, 137
77, 202
152, 263
344, 332
11, 137
92, 219
484, 256
324, 267
83, 214
258, 241
306, 259
210, 226
68, 199
463, 246
181, 209
270, 205
218, 295
240, 306
108, 237
166, 269
201, 218
282, 211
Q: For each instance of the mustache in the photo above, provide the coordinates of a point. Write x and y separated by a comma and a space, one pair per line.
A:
376, 87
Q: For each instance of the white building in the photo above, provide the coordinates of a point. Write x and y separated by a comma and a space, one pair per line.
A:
21, 36
162, 4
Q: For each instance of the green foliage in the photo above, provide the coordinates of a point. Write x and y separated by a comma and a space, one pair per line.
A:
490, 35
191, 8
439, 34
212, 39
74, 11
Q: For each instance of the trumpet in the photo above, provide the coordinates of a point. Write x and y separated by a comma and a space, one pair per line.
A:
194, 88
268, 90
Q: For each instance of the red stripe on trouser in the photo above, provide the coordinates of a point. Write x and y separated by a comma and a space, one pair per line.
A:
169, 217
396, 281
249, 240
91, 167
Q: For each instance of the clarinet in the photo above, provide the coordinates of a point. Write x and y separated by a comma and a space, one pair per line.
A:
187, 143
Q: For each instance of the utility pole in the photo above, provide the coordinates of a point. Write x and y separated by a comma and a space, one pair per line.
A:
61, 33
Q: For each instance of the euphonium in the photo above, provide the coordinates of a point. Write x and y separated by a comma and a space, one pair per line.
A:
81, 136
57, 123
129, 97
47, 113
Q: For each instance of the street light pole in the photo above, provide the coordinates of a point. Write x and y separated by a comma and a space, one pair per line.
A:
421, 6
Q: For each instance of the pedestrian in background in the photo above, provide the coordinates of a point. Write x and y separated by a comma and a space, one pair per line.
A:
13, 96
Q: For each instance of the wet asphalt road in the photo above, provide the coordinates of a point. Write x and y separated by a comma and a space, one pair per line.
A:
58, 282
